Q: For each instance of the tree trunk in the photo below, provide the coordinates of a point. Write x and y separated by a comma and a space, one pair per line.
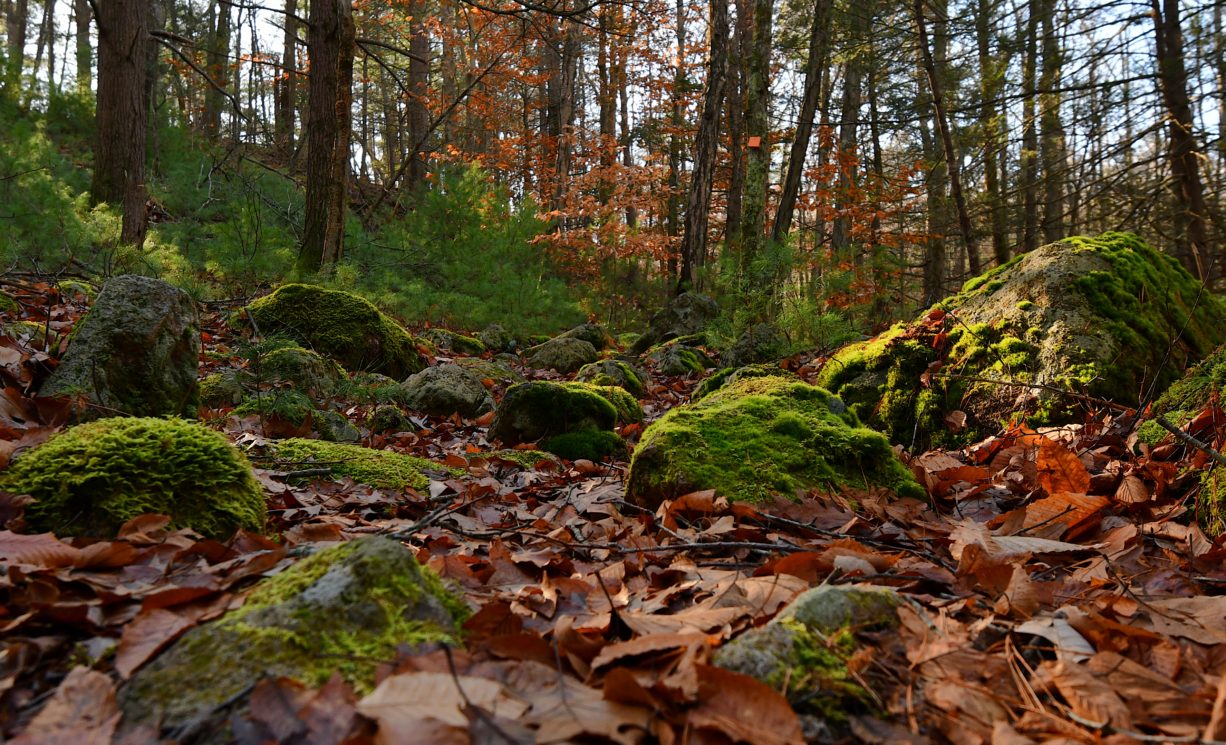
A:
991, 83
735, 98
694, 241
677, 123
121, 117
819, 52
849, 119
15, 21
286, 88
84, 49
947, 141
217, 66
330, 44
1192, 242
1051, 131
757, 125
1029, 161
418, 110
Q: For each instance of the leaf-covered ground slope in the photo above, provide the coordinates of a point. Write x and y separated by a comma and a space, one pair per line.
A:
1054, 588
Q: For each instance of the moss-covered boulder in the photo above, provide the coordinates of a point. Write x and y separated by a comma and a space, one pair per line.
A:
760, 437
1088, 315
534, 411
91, 479
444, 390
453, 342
281, 405
227, 387
805, 649
615, 372
587, 444
496, 338
388, 418
563, 354
627, 407
135, 352
757, 344
493, 370
305, 370
677, 358
333, 426
384, 469
688, 313
340, 325
591, 333
729, 375
345, 609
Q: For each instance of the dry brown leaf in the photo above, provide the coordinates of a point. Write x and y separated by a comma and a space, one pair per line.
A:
1091, 698
145, 636
655, 644
41, 549
568, 710
82, 711
1132, 490
743, 709
1001, 547
1199, 618
1058, 469
402, 702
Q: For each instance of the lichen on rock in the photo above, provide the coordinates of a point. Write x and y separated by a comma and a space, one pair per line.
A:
340, 325
760, 437
91, 479
1091, 316
345, 609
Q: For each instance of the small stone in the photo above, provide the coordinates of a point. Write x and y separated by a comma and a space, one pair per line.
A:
334, 426
447, 389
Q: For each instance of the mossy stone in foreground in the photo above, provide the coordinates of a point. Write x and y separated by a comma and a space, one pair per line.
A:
379, 468
727, 375
1090, 315
759, 437
615, 372
532, 411
344, 609
341, 325
91, 479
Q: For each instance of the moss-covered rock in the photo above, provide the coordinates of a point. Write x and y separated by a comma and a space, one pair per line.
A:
533, 411
587, 444
380, 468
388, 418
282, 404
759, 343
627, 407
444, 390
676, 358
345, 609
372, 388
340, 325
805, 649
727, 375
453, 342
334, 426
135, 352
495, 370
91, 479
1089, 315
496, 338
563, 354
226, 387
306, 370
30, 333
9, 304
760, 437
591, 333
688, 313
615, 372
521, 458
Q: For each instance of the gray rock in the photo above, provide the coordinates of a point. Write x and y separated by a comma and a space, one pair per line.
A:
688, 313
615, 372
678, 359
533, 411
496, 338
388, 418
591, 333
759, 343
566, 355
452, 342
446, 389
135, 353
307, 371
226, 387
305, 623
333, 426
497, 370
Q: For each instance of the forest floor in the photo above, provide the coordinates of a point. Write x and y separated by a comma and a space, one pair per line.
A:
1056, 591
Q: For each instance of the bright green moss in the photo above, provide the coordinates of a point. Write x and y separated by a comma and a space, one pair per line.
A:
371, 388
1025, 305
454, 342
380, 468
533, 411
613, 372
816, 674
627, 406
224, 388
341, 325
284, 404
8, 304
523, 458
1211, 503
92, 478
759, 437
727, 375
308, 371
388, 418
586, 444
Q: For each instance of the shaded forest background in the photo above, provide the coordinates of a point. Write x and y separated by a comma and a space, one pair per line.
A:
827, 164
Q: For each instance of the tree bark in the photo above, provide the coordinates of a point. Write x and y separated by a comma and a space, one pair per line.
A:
121, 117
1030, 134
1192, 242
285, 90
757, 125
735, 98
15, 21
1051, 130
819, 52
84, 49
330, 44
849, 120
698, 203
217, 66
418, 110
991, 83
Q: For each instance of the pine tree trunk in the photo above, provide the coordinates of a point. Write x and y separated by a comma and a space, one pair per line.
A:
757, 126
286, 88
84, 49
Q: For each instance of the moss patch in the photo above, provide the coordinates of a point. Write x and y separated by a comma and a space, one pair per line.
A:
451, 341
92, 478
627, 406
614, 372
588, 444
286, 405
308, 371
533, 411
720, 378
522, 458
1087, 315
759, 437
341, 325
380, 468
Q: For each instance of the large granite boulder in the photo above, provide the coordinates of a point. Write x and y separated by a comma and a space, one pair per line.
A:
340, 325
688, 313
564, 354
1093, 316
135, 352
92, 478
346, 609
761, 437
444, 390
